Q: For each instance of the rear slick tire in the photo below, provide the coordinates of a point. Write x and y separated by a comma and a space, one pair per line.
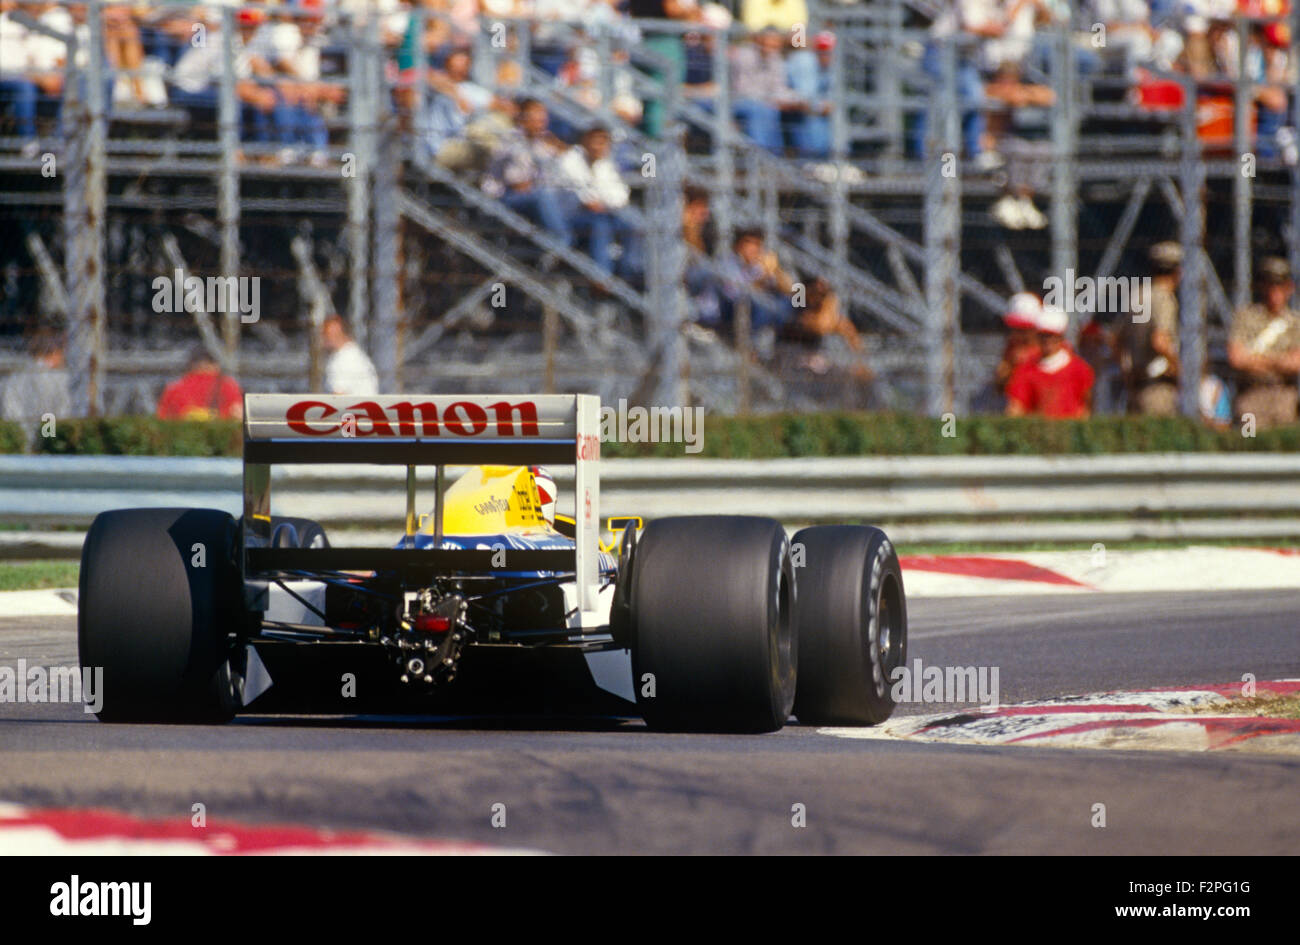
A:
712, 603
160, 607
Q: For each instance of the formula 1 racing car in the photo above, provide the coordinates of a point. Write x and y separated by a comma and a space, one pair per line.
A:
712, 623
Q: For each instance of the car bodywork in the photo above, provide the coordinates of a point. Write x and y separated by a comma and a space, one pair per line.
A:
483, 569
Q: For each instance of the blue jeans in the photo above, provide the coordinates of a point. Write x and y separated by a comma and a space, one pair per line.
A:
18, 96
543, 206
812, 135
760, 122
601, 229
298, 124
970, 95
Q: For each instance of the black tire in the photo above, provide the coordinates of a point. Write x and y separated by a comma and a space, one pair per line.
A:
165, 631
852, 624
290, 532
712, 603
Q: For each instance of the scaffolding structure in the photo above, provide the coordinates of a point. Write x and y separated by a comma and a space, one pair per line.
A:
409, 251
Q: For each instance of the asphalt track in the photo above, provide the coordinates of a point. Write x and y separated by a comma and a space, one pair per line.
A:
609, 786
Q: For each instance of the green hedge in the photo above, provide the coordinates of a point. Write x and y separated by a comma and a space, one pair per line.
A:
824, 434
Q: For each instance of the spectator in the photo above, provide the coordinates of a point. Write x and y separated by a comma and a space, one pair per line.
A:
1021, 130
597, 195
961, 21
1150, 347
783, 15
667, 45
1264, 349
456, 101
202, 393
279, 54
18, 90
1059, 384
761, 89
197, 73
753, 273
348, 370
1021, 318
821, 320
809, 75
523, 173
40, 388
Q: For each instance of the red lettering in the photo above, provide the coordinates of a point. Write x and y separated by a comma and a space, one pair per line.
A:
406, 418
378, 419
588, 447
506, 411
472, 413
297, 417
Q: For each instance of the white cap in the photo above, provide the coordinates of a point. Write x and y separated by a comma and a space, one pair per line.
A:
1023, 311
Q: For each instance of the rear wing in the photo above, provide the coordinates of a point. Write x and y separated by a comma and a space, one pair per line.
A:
411, 431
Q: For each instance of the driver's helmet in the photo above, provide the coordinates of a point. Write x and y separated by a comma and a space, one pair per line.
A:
546, 491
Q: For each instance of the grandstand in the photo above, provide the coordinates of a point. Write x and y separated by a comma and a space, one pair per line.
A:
332, 150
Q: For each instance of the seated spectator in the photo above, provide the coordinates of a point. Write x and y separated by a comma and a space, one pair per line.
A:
455, 101
809, 74
348, 370
1021, 347
41, 387
202, 393
753, 273
761, 90
959, 21
18, 90
523, 172
1022, 134
281, 55
580, 74
196, 77
124, 53
1059, 384
820, 322
597, 194
1264, 349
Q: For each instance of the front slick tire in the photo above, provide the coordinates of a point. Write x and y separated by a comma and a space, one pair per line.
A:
712, 602
159, 607
852, 625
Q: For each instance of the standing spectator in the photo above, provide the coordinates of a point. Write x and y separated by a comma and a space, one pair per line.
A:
597, 195
347, 370
1059, 384
1150, 347
1021, 318
809, 73
1264, 348
40, 388
202, 393
523, 172
761, 89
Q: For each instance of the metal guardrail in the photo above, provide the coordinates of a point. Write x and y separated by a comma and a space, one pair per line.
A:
932, 499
